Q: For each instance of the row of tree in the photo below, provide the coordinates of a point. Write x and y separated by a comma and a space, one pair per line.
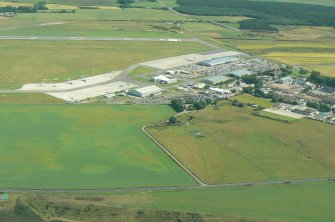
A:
41, 5
179, 105
319, 79
263, 12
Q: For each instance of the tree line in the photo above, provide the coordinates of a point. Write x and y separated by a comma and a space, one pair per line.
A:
319, 79
41, 5
263, 13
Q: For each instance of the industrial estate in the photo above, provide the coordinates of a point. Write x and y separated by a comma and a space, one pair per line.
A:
167, 110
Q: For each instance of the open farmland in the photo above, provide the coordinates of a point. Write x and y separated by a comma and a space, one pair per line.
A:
39, 60
74, 2
87, 146
228, 144
308, 202
314, 56
309, 47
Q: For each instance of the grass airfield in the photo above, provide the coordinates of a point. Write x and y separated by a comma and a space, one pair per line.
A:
61, 60
85, 146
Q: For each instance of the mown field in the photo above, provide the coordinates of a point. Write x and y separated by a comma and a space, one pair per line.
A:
39, 60
248, 99
228, 144
87, 146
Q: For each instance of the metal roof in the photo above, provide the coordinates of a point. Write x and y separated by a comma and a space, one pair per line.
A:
218, 61
240, 72
217, 78
148, 89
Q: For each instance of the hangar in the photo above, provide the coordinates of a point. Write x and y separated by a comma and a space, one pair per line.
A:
145, 91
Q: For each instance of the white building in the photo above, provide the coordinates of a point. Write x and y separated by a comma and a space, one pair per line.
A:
145, 91
163, 79
170, 72
199, 85
219, 91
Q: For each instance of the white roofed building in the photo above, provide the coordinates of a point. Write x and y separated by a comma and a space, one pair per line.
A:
145, 91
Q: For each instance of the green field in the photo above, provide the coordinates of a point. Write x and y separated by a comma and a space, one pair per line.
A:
106, 13
110, 22
85, 146
276, 116
248, 99
124, 29
310, 202
17, 98
73, 2
138, 73
38, 60
228, 144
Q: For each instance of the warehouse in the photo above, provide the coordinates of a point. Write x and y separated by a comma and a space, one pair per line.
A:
145, 91
214, 80
218, 61
239, 73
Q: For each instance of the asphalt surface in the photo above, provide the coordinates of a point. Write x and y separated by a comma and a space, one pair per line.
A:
166, 188
74, 38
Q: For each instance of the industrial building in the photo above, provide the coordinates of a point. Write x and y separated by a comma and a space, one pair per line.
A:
163, 79
304, 110
145, 91
214, 80
239, 73
218, 61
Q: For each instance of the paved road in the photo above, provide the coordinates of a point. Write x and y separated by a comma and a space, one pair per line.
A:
64, 38
164, 188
